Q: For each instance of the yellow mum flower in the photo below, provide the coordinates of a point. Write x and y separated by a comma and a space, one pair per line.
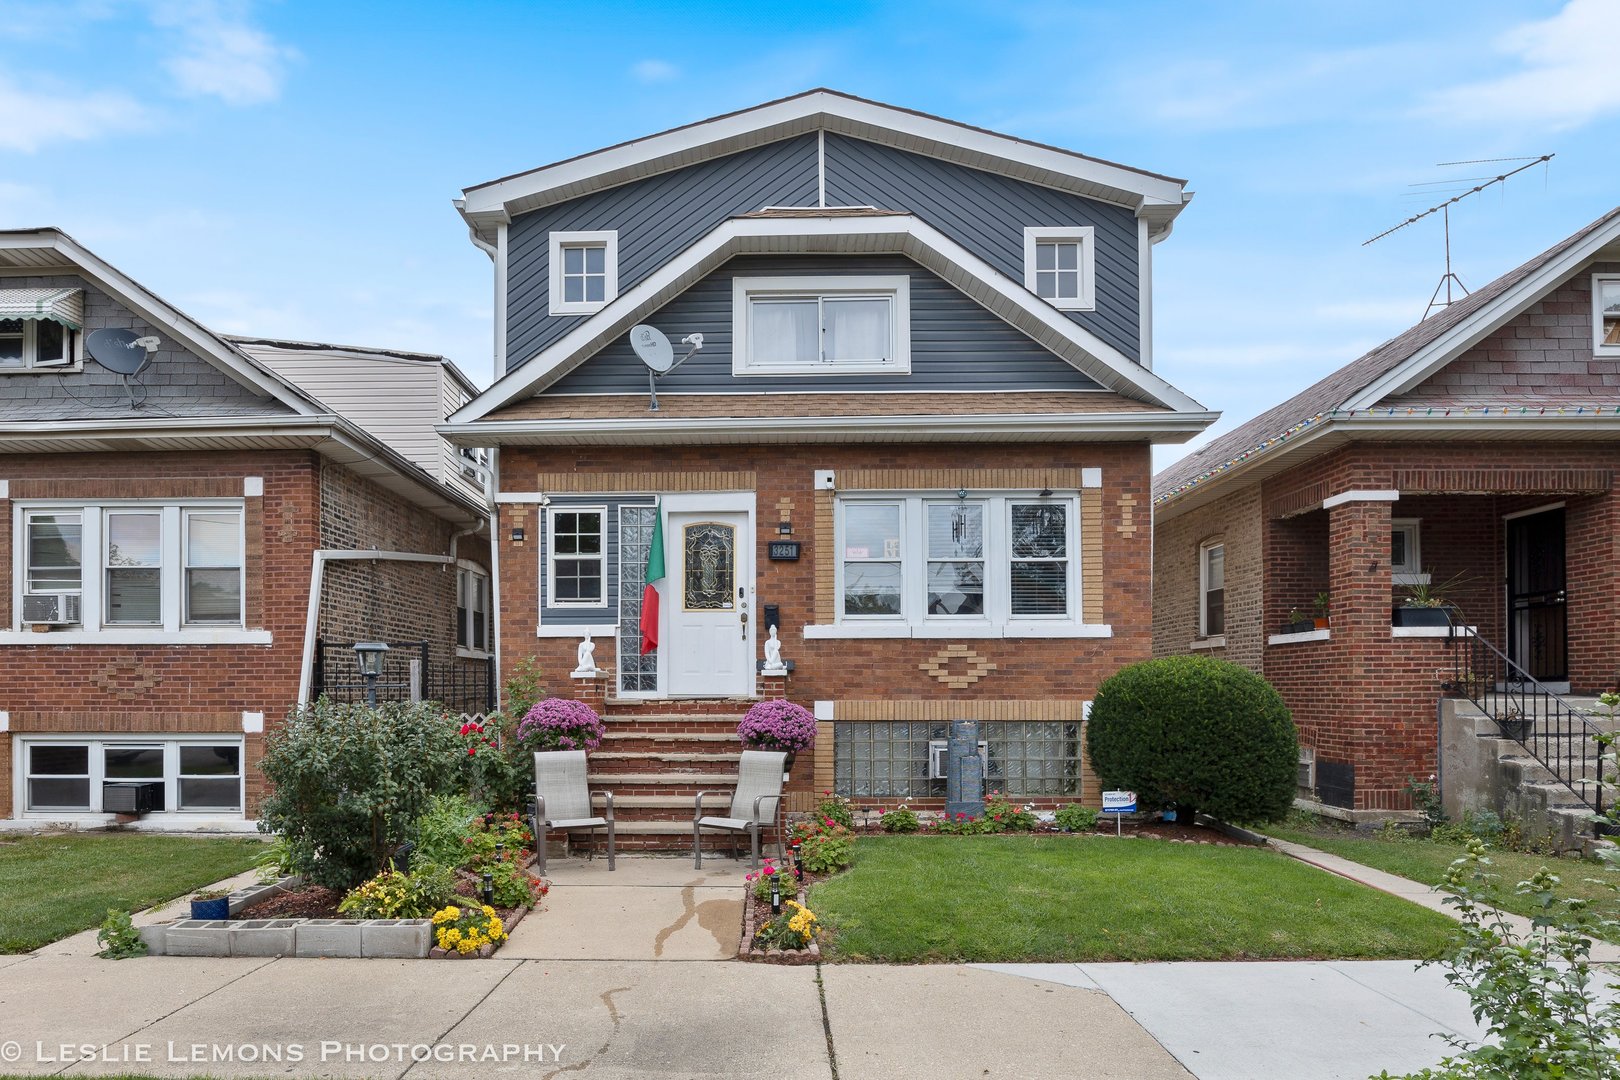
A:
489, 911
466, 946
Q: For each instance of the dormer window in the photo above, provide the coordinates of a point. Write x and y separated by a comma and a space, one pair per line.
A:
1059, 266
821, 325
1606, 313
584, 271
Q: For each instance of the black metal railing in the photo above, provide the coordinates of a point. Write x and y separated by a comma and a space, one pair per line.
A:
1559, 735
463, 685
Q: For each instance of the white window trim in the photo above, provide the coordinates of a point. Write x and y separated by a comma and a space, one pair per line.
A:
896, 286
170, 742
468, 569
1086, 235
998, 620
551, 559
608, 240
1203, 588
92, 629
1598, 347
1411, 571
30, 363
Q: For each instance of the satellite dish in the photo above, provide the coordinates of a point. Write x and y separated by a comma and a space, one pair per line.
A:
120, 351
652, 347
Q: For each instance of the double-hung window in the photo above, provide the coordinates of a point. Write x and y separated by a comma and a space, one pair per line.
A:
1212, 590
584, 271
1060, 266
70, 774
472, 609
996, 560
576, 558
28, 344
130, 565
824, 325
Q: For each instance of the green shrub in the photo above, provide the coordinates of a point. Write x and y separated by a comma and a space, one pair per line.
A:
441, 831
118, 938
512, 886
1077, 818
394, 894
900, 820
824, 848
348, 783
1198, 735
1000, 815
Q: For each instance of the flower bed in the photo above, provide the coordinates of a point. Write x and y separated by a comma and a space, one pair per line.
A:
756, 913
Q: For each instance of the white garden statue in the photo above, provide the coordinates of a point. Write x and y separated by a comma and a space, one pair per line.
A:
586, 659
773, 655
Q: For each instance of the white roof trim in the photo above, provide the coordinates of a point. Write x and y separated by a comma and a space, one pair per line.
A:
1489, 318
897, 233
497, 200
196, 337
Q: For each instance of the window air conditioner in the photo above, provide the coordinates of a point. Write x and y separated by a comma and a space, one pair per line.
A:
1307, 769
52, 609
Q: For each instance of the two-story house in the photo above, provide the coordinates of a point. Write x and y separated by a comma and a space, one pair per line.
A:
1470, 459
184, 520
915, 439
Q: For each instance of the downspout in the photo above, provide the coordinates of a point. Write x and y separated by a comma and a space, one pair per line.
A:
317, 575
495, 561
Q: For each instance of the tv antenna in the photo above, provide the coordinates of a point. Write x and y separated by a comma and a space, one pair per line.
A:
658, 354
1450, 279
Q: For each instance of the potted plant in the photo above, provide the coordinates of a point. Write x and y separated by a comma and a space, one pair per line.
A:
211, 904
1321, 605
1514, 724
1424, 604
778, 725
1297, 623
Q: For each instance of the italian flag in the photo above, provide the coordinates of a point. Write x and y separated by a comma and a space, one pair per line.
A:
649, 593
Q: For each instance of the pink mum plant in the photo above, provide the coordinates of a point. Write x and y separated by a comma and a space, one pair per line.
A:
778, 725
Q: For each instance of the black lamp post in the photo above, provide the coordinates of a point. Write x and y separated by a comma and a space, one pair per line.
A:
369, 655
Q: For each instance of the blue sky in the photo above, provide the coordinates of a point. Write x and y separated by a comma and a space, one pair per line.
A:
286, 169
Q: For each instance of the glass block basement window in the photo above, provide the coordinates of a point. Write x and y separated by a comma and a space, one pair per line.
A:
890, 760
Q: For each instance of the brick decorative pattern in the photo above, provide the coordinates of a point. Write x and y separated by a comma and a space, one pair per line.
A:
614, 483
1503, 481
1126, 524
936, 479
957, 666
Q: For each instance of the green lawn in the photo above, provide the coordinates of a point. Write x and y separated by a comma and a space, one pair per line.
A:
53, 886
1067, 898
1426, 861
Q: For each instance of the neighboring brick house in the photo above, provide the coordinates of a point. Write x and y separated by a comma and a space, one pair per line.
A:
915, 440
161, 536
1479, 445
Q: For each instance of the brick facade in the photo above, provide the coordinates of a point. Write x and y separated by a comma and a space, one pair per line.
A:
1114, 557
88, 689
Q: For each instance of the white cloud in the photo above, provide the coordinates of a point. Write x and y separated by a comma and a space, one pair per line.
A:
654, 71
1566, 79
35, 117
220, 53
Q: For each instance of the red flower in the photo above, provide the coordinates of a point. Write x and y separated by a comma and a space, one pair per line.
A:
471, 751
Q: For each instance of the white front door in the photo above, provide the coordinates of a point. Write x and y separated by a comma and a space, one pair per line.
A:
711, 633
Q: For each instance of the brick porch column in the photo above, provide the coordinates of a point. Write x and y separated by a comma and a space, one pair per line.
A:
1364, 730
592, 690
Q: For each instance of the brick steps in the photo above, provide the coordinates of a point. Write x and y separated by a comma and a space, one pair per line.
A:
672, 737
613, 780
654, 755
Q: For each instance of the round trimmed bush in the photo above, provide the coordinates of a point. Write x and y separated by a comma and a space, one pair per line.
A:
1196, 734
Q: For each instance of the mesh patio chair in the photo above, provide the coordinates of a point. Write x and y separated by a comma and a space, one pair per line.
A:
563, 801
755, 805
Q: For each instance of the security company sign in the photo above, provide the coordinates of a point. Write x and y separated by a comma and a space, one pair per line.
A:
1119, 802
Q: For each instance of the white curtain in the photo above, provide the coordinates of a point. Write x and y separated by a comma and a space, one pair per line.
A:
783, 332
858, 329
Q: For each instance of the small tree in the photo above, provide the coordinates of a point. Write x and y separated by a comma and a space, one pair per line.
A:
348, 782
1196, 734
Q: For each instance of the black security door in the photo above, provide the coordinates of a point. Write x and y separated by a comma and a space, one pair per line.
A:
1538, 628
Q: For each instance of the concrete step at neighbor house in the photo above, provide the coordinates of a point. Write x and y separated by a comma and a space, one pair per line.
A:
683, 757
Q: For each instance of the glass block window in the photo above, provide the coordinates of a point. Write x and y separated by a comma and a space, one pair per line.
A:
884, 760
638, 674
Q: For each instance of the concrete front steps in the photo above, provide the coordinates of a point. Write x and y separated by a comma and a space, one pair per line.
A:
656, 758
1481, 769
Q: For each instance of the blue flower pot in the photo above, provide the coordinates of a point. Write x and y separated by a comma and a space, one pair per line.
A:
211, 909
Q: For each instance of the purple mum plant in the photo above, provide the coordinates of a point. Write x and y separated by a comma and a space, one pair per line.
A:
561, 724
778, 725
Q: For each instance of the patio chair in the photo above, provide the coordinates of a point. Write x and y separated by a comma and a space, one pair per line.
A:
756, 804
562, 801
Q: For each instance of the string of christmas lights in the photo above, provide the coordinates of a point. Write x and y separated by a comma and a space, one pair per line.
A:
1414, 411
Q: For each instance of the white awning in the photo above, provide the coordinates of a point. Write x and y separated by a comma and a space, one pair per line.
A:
65, 306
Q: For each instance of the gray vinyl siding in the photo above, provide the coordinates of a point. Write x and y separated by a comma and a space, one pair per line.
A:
987, 213
656, 219
583, 616
955, 343
175, 383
